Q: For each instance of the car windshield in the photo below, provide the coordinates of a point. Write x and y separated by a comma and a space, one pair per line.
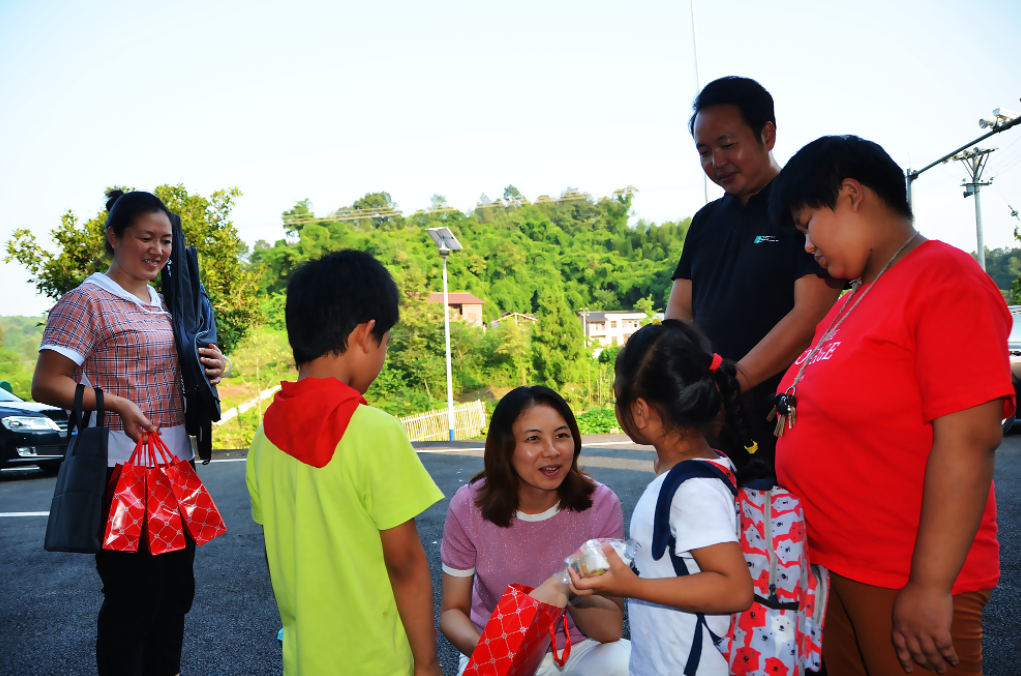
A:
7, 396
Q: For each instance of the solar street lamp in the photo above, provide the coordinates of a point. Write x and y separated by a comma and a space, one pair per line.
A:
446, 241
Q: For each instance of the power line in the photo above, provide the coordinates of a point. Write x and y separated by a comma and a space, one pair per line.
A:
1004, 171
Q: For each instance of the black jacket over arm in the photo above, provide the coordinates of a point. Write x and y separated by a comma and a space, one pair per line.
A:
194, 327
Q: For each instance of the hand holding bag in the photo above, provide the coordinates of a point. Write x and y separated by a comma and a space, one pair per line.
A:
76, 511
162, 515
127, 503
517, 635
198, 511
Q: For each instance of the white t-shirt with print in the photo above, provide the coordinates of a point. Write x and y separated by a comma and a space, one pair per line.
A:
703, 513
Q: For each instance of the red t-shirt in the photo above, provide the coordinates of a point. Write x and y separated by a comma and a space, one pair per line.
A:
929, 340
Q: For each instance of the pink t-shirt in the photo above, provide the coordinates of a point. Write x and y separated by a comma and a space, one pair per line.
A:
529, 551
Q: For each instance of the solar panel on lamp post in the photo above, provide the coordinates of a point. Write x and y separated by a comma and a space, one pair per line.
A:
446, 241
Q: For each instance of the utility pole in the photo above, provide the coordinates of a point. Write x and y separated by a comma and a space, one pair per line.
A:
1001, 121
975, 161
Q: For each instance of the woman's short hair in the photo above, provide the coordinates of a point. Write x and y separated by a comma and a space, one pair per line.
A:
498, 495
812, 178
124, 208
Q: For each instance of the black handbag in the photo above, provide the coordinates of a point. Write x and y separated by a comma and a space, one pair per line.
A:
76, 512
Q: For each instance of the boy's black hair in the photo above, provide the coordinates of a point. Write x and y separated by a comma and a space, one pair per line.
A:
329, 296
751, 98
814, 175
124, 208
668, 365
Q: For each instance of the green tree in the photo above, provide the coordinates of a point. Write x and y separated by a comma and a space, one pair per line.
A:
1003, 265
647, 306
513, 345
378, 201
557, 340
232, 284
512, 196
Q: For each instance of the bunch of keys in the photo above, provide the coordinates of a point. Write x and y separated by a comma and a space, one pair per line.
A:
785, 411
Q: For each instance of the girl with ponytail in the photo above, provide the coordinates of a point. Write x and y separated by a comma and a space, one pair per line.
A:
672, 393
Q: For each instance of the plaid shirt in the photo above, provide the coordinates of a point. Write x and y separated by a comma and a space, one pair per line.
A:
124, 348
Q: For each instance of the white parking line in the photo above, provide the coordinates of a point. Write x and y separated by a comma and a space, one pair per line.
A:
24, 514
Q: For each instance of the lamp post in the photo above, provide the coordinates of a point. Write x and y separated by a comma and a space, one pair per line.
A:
446, 242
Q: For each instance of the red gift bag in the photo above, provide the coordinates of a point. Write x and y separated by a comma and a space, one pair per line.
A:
127, 504
198, 510
517, 635
162, 514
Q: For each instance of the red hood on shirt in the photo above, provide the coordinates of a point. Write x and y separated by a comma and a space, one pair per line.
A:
307, 419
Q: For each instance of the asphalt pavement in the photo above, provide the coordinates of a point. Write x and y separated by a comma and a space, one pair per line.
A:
50, 601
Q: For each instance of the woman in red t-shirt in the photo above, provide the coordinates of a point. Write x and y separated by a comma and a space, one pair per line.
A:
897, 410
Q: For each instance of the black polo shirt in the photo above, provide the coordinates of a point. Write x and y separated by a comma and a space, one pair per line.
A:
742, 269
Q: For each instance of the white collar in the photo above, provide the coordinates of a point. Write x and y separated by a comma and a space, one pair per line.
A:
548, 514
107, 284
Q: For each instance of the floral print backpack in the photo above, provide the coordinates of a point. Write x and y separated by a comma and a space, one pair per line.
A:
781, 634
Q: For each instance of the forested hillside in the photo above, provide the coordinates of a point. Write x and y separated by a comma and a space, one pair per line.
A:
19, 342
547, 259
582, 248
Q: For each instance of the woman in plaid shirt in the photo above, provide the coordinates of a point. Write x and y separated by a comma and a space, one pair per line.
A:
114, 332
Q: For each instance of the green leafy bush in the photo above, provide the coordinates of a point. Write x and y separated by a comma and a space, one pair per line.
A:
598, 421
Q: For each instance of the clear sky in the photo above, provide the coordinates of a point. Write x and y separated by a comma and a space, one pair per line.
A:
331, 100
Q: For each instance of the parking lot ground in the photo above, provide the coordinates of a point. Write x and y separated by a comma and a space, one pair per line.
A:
50, 601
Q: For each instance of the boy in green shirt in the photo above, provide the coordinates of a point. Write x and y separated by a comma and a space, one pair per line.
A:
336, 486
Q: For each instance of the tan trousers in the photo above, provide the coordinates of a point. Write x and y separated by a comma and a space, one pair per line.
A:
859, 623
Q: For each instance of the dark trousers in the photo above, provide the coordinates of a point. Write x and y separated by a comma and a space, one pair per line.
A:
145, 599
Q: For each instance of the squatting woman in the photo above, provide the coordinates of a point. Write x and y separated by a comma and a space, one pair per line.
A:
517, 520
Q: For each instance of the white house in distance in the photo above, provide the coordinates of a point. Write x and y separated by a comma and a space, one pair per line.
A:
610, 327
462, 306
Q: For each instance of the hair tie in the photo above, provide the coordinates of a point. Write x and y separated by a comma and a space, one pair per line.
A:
751, 449
717, 360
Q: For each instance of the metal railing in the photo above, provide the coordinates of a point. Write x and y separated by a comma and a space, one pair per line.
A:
469, 421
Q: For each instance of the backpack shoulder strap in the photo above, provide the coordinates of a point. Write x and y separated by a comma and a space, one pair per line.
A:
663, 540
678, 474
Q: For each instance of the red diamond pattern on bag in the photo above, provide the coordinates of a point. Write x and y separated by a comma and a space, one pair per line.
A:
198, 511
516, 637
127, 506
163, 516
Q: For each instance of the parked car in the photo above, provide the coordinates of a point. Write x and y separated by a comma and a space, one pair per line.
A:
1014, 350
31, 434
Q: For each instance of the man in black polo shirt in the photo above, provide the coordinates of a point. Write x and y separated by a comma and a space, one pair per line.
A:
749, 285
